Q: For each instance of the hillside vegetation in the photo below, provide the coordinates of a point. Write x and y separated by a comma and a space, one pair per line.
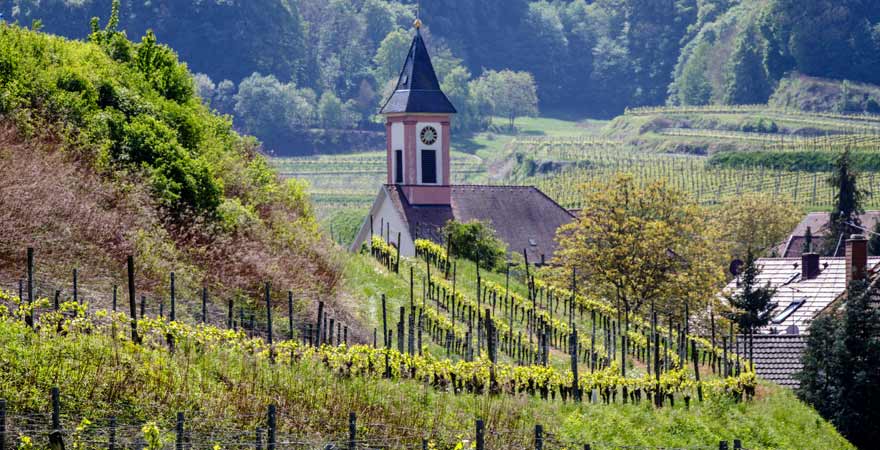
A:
105, 151
301, 75
223, 382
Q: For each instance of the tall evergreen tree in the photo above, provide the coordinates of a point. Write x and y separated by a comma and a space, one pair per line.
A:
848, 199
746, 80
752, 303
841, 375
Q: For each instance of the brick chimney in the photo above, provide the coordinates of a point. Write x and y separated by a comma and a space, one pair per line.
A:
856, 257
809, 266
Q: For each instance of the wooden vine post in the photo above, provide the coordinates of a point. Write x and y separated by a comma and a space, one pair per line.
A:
132, 301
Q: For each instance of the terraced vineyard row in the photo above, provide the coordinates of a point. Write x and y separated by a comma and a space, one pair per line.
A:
708, 184
753, 109
338, 182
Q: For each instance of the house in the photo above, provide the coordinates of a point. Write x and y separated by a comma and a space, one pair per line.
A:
817, 222
418, 199
806, 286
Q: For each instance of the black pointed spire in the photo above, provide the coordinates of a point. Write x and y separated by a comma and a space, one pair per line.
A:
418, 90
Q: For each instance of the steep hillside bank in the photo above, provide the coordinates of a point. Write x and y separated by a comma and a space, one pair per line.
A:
105, 151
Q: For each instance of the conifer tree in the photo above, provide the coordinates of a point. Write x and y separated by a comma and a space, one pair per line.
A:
847, 203
752, 303
841, 375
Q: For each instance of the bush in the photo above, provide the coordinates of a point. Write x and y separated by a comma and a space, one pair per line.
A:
476, 241
758, 125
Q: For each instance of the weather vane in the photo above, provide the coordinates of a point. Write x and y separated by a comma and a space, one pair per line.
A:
418, 22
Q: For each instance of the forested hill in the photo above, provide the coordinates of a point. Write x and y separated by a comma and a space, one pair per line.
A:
331, 60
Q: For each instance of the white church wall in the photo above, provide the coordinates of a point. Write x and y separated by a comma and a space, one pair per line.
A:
387, 222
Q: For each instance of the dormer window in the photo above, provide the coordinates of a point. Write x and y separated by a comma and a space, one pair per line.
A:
791, 308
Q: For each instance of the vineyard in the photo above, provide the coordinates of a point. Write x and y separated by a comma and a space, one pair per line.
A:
557, 369
707, 184
791, 167
352, 180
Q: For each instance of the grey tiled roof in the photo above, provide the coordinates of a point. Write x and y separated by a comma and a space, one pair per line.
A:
817, 293
522, 216
778, 357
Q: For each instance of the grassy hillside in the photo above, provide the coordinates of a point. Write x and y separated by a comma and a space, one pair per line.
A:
223, 382
105, 151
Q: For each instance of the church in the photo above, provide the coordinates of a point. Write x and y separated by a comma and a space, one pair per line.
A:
418, 199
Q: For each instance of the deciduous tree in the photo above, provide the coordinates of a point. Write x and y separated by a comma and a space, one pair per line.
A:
640, 245
511, 94
754, 221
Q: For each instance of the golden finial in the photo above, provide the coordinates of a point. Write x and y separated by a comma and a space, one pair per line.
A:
417, 24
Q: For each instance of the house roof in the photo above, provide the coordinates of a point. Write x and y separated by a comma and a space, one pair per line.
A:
522, 216
418, 90
812, 295
777, 358
818, 224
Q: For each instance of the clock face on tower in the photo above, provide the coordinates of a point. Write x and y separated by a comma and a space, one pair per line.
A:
429, 136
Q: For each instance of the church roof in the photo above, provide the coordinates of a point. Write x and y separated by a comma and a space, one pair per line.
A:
522, 216
418, 90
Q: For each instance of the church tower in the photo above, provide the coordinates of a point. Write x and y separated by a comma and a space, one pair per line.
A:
417, 119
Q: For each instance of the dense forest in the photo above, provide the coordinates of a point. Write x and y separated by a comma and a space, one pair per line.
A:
286, 68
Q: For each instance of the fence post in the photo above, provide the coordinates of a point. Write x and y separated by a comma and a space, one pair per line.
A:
173, 315
722, 445
352, 431
575, 384
586, 446
290, 314
696, 358
114, 297
481, 445
269, 321
30, 285
319, 328
229, 316
56, 440
178, 431
112, 436
75, 286
270, 443
132, 300
259, 438
385, 323
539, 437
2, 424
204, 305
56, 303
737, 444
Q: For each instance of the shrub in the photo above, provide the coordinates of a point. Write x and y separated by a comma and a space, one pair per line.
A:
476, 241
